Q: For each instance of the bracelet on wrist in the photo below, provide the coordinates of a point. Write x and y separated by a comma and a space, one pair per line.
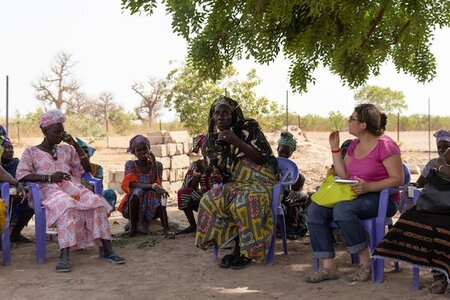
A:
49, 178
336, 150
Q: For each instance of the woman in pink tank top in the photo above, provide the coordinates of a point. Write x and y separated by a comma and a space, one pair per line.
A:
372, 159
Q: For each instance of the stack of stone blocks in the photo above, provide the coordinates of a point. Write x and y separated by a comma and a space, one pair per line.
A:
172, 149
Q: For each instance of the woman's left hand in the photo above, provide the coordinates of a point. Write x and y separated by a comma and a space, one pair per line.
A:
360, 187
228, 136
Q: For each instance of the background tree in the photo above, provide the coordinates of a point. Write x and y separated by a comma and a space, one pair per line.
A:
57, 87
151, 99
338, 121
79, 104
388, 100
352, 38
191, 96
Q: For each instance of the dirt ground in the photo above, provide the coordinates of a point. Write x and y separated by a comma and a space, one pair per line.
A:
159, 268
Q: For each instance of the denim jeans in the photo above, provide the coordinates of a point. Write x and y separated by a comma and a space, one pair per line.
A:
347, 215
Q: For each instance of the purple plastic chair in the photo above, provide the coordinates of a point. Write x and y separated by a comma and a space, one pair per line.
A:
6, 239
40, 219
289, 175
375, 227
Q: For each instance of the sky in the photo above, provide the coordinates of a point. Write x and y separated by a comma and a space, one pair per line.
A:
113, 49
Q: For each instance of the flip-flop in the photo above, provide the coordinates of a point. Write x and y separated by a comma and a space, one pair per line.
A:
226, 261
63, 266
114, 258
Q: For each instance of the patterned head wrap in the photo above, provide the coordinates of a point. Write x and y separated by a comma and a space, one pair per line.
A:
197, 142
4, 136
83, 144
236, 112
288, 140
51, 117
136, 140
442, 135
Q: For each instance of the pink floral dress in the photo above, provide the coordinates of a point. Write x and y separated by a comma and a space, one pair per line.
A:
82, 220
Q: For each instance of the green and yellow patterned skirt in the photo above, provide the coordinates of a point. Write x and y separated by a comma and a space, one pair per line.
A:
239, 208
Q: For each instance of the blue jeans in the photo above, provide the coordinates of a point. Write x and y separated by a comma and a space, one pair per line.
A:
347, 216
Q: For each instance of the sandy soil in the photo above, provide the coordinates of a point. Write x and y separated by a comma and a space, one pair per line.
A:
158, 268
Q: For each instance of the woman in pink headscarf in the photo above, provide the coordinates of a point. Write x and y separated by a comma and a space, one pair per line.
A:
80, 215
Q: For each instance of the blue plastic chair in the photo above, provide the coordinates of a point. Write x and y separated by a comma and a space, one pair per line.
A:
6, 239
40, 219
289, 175
375, 227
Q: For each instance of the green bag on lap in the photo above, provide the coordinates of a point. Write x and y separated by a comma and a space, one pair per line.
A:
330, 192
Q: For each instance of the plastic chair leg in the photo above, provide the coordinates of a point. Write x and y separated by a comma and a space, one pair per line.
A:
283, 233
6, 245
41, 247
215, 252
416, 279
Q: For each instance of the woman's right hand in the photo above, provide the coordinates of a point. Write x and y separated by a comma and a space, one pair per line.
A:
60, 176
160, 190
334, 139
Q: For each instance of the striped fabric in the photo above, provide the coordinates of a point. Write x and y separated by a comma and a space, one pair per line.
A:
421, 239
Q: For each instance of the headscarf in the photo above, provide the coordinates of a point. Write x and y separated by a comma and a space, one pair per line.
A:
223, 155
287, 139
53, 116
136, 140
83, 144
442, 135
197, 142
10, 166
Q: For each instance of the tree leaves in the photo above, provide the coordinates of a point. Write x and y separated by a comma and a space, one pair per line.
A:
351, 37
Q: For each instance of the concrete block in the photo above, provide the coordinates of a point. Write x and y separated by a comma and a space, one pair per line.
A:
118, 176
172, 149
179, 175
167, 138
116, 187
180, 149
180, 136
187, 147
175, 186
159, 150
165, 161
179, 162
156, 137
166, 185
111, 176
166, 174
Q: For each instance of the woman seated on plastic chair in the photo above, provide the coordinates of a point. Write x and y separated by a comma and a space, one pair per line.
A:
240, 209
421, 238
80, 215
372, 159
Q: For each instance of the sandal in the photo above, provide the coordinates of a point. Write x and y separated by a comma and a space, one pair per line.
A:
114, 258
361, 274
141, 228
169, 235
226, 261
63, 266
189, 229
240, 262
321, 275
438, 286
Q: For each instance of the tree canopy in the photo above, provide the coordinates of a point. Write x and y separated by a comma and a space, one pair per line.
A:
353, 38
191, 96
388, 100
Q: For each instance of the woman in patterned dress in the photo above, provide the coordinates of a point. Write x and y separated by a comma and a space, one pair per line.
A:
240, 209
80, 215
